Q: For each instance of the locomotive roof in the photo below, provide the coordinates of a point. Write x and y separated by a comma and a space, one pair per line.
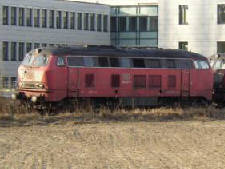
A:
123, 52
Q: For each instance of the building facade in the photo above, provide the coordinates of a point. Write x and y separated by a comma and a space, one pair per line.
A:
25, 25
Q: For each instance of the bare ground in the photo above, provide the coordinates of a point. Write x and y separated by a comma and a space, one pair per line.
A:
116, 141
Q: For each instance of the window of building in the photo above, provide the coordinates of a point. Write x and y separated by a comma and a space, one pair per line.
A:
21, 16
58, 19
44, 18
72, 20
221, 47
143, 23
92, 21
65, 20
113, 24
29, 17
28, 47
36, 45
105, 24
36, 17
51, 19
13, 16
44, 45
5, 82
122, 24
21, 51
183, 45
183, 14
133, 24
5, 54
5, 15
79, 20
13, 82
13, 51
99, 22
153, 23
86, 21
221, 14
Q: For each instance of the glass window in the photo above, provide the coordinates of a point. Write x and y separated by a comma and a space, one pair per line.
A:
152, 63
60, 61
143, 23
44, 18
75, 61
36, 45
105, 24
44, 45
5, 15
21, 16
28, 47
184, 64
29, 17
221, 14
13, 82
103, 62
221, 47
21, 50
183, 45
169, 63
132, 24
125, 62
99, 22
5, 82
40, 60
36, 17
5, 47
51, 19
138, 63
204, 64
91, 61
122, 24
86, 21
79, 20
183, 14
72, 20
113, 24
153, 23
58, 19
13, 15
201, 64
65, 20
13, 51
114, 62
92, 22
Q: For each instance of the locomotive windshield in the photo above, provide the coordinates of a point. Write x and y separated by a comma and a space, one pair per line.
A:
35, 60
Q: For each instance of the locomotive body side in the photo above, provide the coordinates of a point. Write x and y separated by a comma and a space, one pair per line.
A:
141, 76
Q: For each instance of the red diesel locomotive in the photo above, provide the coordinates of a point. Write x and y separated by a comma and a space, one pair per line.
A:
139, 77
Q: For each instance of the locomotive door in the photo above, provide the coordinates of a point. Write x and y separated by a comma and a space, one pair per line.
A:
74, 82
185, 82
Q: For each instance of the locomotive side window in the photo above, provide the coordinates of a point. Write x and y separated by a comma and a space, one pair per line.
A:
125, 62
152, 63
138, 63
60, 61
155, 81
75, 61
114, 62
184, 64
139, 81
115, 81
169, 63
103, 62
171, 81
89, 80
90, 61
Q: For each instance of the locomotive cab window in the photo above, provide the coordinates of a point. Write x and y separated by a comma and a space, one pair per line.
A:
138, 63
75, 61
201, 64
60, 61
103, 62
